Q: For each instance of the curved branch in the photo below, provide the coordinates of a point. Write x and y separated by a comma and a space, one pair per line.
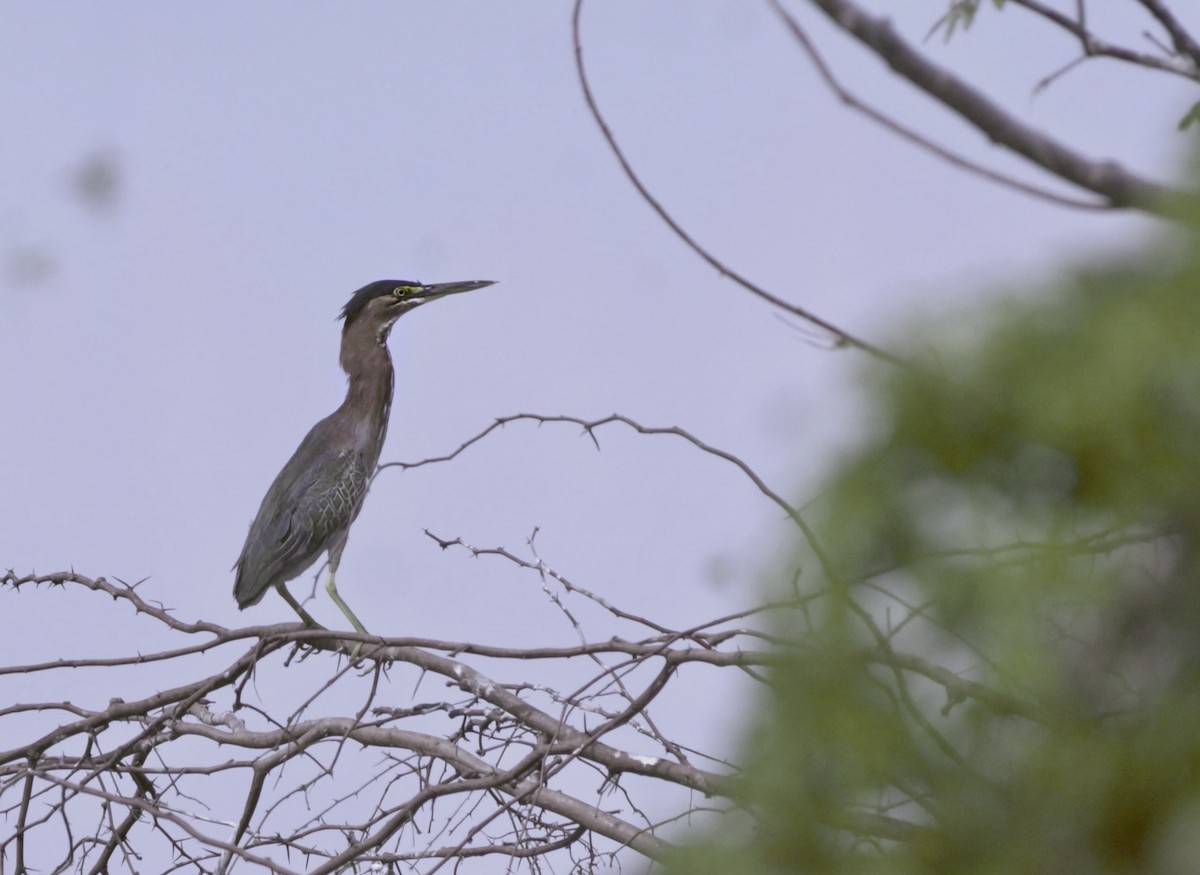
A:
841, 336
119, 591
589, 426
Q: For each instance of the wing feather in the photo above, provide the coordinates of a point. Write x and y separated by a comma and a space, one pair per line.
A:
316, 495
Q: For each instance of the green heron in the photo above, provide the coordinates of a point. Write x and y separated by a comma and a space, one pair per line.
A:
315, 499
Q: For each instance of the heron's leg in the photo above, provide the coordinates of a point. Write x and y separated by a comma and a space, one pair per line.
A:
331, 588
335, 559
304, 616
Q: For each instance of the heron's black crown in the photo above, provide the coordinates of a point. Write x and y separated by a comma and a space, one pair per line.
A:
378, 289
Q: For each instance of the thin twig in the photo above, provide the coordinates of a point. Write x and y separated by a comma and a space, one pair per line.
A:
843, 337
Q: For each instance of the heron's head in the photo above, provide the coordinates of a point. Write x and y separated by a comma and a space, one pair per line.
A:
379, 304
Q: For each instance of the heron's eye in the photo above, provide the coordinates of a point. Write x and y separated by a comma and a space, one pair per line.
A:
405, 291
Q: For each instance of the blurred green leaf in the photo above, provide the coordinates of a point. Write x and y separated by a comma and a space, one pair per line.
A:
1190, 118
998, 670
961, 13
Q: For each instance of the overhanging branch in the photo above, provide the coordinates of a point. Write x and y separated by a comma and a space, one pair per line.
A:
1108, 179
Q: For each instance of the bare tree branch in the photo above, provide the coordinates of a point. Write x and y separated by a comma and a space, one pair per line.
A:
149, 740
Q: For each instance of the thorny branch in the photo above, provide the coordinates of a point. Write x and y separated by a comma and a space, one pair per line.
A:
590, 427
149, 740
366, 770
485, 739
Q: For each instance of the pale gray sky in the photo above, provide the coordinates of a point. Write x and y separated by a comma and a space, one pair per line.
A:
275, 156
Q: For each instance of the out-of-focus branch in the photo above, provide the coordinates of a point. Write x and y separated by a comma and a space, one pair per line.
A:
1184, 42
852, 101
1119, 187
1093, 46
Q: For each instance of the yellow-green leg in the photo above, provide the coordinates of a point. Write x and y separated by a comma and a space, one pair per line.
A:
331, 588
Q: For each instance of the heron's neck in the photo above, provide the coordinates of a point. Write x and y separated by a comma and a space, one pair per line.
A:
369, 396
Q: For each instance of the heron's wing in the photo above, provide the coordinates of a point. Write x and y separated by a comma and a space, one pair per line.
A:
316, 495
325, 508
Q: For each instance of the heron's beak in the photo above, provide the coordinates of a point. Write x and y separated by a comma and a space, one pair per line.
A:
441, 290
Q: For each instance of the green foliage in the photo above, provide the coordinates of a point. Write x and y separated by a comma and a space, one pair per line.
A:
961, 14
1191, 117
996, 668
